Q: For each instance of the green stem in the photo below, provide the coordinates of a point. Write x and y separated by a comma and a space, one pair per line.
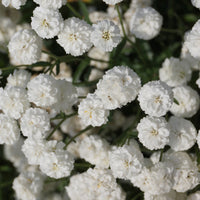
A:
78, 134
73, 10
58, 125
171, 31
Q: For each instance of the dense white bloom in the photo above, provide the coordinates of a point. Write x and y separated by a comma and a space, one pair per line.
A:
25, 47
14, 154
28, 185
95, 74
196, 3
34, 150
188, 102
146, 23
196, 195
153, 132
52, 4
192, 40
35, 123
119, 86
126, 161
106, 35
92, 112
183, 134
175, 72
47, 23
98, 54
14, 3
95, 184
167, 196
42, 90
56, 162
67, 96
19, 78
75, 36
14, 101
112, 2
95, 150
155, 180
185, 174
9, 131
155, 98
198, 139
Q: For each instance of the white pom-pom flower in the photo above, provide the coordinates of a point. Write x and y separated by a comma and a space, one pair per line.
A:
153, 132
43, 91
155, 98
126, 161
28, 185
192, 40
95, 150
75, 36
35, 123
196, 195
187, 102
14, 101
14, 3
183, 134
52, 4
146, 23
47, 23
19, 78
196, 3
92, 112
106, 35
119, 86
175, 72
25, 47
9, 130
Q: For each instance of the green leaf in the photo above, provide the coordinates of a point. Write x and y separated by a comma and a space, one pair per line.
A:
84, 10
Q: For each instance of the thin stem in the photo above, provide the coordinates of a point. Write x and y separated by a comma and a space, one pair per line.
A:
99, 60
73, 10
58, 125
171, 31
78, 134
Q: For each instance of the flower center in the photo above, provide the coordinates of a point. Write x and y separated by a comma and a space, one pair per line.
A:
72, 37
44, 23
154, 132
106, 35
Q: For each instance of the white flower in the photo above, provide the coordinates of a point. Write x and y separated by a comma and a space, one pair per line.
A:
196, 195
95, 74
92, 112
52, 4
14, 101
47, 23
185, 174
126, 161
14, 3
75, 36
9, 131
35, 123
67, 96
98, 54
112, 2
95, 184
167, 196
192, 40
153, 132
146, 23
95, 150
28, 185
34, 150
196, 3
175, 72
42, 90
56, 162
106, 35
155, 98
183, 134
19, 78
25, 47
155, 180
119, 86
188, 102
198, 139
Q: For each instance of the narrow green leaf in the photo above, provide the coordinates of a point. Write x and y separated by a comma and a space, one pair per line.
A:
84, 11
